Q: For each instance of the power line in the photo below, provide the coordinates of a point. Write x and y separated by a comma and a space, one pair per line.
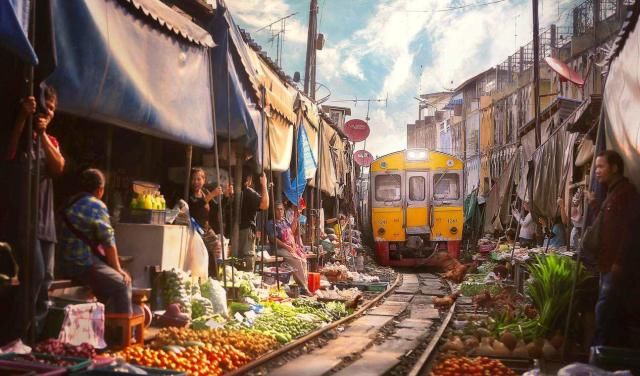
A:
453, 8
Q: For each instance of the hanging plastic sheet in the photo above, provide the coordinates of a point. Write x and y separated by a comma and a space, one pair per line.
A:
14, 25
327, 163
621, 98
140, 69
552, 161
498, 203
294, 186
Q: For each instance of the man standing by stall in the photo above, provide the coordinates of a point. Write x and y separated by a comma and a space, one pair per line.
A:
51, 165
252, 203
618, 253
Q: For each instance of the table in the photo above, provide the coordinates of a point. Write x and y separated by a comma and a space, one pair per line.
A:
165, 246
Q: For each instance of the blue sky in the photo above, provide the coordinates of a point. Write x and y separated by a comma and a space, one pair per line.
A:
396, 49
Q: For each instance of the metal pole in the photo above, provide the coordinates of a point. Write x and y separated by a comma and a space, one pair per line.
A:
310, 64
188, 157
319, 181
215, 132
536, 71
108, 155
32, 186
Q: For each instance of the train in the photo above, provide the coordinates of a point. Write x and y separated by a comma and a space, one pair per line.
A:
415, 206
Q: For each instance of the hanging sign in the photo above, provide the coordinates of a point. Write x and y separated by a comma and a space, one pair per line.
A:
362, 157
356, 130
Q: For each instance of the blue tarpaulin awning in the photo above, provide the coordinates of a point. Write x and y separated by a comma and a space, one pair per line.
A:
135, 64
454, 102
14, 22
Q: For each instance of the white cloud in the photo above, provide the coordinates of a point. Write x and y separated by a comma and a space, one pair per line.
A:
259, 13
351, 66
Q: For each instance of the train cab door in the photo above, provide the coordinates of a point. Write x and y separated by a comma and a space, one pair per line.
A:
387, 204
417, 193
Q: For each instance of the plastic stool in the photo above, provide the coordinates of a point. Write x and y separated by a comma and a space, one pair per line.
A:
127, 322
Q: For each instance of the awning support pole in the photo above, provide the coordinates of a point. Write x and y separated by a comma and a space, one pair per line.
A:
188, 158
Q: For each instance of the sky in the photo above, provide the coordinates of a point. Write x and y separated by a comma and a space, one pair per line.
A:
395, 49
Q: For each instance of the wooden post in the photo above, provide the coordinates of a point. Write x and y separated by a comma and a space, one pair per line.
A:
108, 155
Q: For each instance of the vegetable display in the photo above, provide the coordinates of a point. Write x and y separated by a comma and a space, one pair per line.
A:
177, 289
463, 366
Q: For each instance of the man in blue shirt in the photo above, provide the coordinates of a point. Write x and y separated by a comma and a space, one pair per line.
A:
88, 246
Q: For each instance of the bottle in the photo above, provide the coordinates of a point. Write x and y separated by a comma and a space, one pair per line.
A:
163, 203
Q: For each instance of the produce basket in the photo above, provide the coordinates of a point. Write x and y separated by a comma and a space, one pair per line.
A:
75, 364
377, 286
614, 358
348, 303
486, 248
108, 371
35, 368
145, 216
269, 276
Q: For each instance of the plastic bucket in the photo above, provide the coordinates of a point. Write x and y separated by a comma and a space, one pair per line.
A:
313, 282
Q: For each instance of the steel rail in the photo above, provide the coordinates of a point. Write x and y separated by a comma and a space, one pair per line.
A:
301, 341
418, 367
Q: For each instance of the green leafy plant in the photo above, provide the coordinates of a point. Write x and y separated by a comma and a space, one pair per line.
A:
550, 289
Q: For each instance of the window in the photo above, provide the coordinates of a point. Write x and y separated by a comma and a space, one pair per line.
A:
446, 186
388, 187
416, 188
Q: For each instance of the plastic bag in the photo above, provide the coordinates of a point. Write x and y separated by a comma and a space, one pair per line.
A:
197, 261
581, 369
214, 291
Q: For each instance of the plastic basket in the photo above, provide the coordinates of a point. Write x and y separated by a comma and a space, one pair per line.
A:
378, 286
144, 216
79, 364
614, 358
38, 369
269, 277
107, 371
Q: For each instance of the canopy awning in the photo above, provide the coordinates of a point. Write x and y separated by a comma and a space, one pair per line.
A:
565, 72
14, 23
329, 180
135, 64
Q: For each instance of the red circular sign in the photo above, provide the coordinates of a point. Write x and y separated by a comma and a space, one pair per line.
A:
362, 157
356, 130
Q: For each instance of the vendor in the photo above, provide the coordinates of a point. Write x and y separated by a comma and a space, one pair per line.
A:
88, 246
200, 199
527, 225
289, 247
340, 226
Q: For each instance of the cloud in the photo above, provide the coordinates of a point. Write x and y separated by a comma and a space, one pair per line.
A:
351, 66
256, 14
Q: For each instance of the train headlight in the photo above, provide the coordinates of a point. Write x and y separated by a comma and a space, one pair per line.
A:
416, 155
454, 230
381, 231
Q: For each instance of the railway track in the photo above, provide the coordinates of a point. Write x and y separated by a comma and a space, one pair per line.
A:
392, 335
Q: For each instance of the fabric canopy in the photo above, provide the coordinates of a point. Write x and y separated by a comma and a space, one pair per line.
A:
621, 97
326, 162
139, 68
237, 104
14, 25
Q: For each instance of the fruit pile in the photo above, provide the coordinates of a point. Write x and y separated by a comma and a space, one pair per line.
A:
249, 342
58, 348
195, 360
463, 366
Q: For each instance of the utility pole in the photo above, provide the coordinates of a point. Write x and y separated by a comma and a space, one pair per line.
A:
310, 65
536, 70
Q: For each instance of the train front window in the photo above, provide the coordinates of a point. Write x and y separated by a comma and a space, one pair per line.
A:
446, 186
388, 187
416, 188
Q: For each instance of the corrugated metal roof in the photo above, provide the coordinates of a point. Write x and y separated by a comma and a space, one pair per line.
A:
173, 21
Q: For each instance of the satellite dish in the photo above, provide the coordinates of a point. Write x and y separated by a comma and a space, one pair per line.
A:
356, 130
362, 158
